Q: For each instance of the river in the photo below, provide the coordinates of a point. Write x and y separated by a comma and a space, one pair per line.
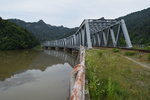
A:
35, 75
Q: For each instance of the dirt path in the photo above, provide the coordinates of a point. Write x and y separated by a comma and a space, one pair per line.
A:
139, 63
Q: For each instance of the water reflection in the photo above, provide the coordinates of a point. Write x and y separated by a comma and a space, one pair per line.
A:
35, 75
19, 79
13, 62
51, 84
67, 57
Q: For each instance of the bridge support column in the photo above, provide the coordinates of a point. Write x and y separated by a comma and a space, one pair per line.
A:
94, 40
56, 43
126, 35
74, 40
88, 35
78, 40
113, 37
98, 39
80, 37
83, 41
64, 42
104, 38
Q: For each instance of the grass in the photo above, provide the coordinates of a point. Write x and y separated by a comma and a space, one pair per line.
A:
145, 48
138, 56
111, 77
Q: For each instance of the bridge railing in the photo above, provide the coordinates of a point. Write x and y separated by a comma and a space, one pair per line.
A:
92, 32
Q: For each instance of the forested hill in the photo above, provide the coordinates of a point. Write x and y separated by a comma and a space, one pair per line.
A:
13, 36
45, 31
138, 24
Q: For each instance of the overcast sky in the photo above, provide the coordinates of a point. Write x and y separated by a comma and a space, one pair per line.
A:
69, 13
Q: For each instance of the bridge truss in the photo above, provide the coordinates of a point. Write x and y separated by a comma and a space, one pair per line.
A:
96, 33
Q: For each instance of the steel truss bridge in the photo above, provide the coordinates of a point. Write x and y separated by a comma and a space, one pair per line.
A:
96, 33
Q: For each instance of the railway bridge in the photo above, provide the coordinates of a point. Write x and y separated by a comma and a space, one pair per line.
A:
95, 33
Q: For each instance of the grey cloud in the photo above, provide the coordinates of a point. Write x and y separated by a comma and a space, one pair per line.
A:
69, 13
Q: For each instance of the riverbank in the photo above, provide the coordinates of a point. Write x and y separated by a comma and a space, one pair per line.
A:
113, 77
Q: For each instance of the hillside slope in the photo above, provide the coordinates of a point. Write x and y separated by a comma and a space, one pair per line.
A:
13, 36
45, 31
138, 24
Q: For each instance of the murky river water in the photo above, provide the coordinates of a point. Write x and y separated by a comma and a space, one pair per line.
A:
35, 75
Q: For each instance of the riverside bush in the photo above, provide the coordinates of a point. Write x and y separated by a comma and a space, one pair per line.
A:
115, 50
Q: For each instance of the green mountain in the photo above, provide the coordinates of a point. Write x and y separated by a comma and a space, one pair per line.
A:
138, 24
13, 36
44, 31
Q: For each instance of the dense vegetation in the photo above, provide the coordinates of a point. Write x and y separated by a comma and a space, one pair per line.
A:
138, 24
13, 36
44, 31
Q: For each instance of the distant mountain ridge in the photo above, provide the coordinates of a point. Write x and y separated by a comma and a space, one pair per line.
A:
43, 31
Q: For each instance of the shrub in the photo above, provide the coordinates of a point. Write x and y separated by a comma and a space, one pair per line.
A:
130, 53
115, 50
